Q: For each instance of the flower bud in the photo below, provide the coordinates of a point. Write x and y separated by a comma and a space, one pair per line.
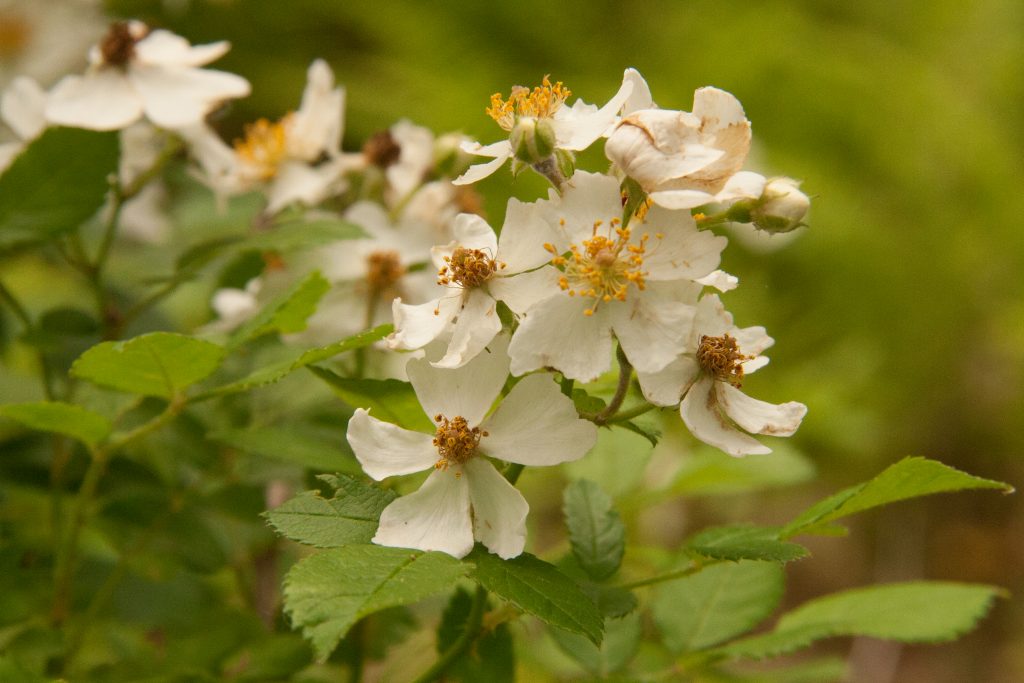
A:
782, 206
533, 140
449, 159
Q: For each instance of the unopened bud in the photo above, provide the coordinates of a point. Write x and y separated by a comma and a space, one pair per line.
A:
533, 140
566, 161
449, 159
782, 206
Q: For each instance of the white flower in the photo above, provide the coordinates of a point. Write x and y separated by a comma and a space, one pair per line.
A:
707, 378
574, 128
475, 270
637, 282
21, 108
135, 72
414, 162
782, 206
681, 158
283, 157
45, 40
465, 498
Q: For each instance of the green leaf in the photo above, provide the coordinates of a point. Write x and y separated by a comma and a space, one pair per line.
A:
909, 478
719, 602
277, 371
296, 235
647, 431
621, 640
301, 444
57, 183
595, 529
287, 313
61, 418
155, 364
351, 516
538, 588
326, 593
492, 657
387, 399
745, 542
915, 612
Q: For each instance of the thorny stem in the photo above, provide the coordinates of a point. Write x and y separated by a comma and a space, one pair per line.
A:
470, 632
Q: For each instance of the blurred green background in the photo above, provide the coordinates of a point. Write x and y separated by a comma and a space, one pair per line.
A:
898, 316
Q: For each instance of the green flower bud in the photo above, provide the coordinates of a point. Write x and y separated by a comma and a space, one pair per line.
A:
533, 140
781, 207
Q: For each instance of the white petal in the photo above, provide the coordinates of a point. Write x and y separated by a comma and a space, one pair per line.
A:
556, 333
752, 340
174, 97
23, 106
436, 517
720, 280
588, 198
523, 235
165, 48
499, 510
640, 98
711, 319
683, 251
717, 108
537, 425
681, 199
666, 386
100, 100
476, 326
520, 292
386, 450
743, 185
472, 232
703, 416
760, 417
316, 127
579, 132
468, 391
299, 182
651, 328
417, 326
481, 171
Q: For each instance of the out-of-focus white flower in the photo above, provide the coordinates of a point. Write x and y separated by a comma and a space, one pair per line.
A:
707, 379
134, 72
414, 162
637, 282
553, 125
465, 498
44, 40
682, 159
21, 108
475, 271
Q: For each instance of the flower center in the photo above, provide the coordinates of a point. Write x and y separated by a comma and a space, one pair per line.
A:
15, 34
455, 441
384, 270
721, 357
118, 46
467, 268
264, 147
541, 102
604, 266
382, 150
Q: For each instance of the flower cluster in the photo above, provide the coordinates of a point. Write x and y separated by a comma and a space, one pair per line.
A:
609, 265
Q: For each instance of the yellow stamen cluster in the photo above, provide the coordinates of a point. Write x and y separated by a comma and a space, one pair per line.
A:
605, 266
455, 441
721, 357
383, 271
467, 268
541, 102
265, 146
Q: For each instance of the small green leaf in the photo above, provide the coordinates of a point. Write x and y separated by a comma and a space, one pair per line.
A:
491, 658
57, 183
351, 516
720, 602
621, 640
915, 612
909, 478
387, 399
61, 418
538, 588
326, 593
287, 313
155, 364
745, 542
595, 529
636, 426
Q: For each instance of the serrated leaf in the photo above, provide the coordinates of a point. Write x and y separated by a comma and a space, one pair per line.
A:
914, 612
612, 601
909, 478
538, 588
596, 531
155, 364
326, 593
60, 418
351, 516
277, 371
57, 183
387, 399
745, 542
287, 313
491, 658
719, 602
649, 432
621, 640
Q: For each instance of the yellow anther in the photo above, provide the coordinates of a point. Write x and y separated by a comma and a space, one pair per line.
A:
455, 441
541, 102
264, 147
721, 357
468, 268
383, 271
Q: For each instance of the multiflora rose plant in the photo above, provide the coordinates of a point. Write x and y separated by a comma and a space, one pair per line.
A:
466, 352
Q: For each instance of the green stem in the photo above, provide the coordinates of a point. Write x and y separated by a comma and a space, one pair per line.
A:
669, 576
513, 471
567, 385
470, 632
635, 411
7, 296
12, 302
625, 375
